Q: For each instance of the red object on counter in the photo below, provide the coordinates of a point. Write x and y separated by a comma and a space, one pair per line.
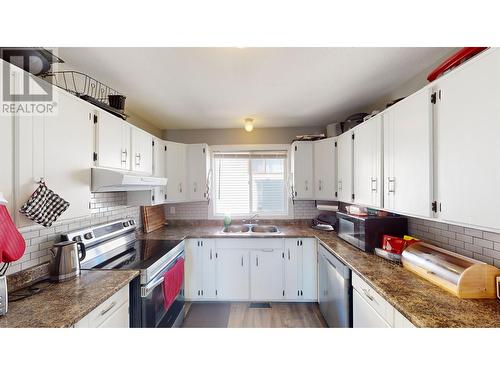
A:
12, 244
454, 60
392, 244
172, 282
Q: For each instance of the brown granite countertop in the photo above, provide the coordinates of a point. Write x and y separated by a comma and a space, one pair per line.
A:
64, 304
422, 303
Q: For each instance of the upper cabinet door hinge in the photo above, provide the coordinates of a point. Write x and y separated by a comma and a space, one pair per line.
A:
94, 156
352, 136
353, 196
435, 206
95, 119
153, 143
433, 98
295, 148
203, 149
335, 143
165, 148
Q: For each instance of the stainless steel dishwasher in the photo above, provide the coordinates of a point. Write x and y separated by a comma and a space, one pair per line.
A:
335, 298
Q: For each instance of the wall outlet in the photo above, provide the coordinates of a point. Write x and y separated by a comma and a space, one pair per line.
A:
172, 210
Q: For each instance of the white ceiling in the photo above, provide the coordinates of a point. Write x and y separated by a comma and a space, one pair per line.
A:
200, 88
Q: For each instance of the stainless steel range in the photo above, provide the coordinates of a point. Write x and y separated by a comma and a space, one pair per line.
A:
115, 246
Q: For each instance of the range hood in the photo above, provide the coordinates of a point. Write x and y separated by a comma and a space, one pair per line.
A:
106, 180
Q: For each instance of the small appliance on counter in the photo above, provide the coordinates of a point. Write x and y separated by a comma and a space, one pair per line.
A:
65, 262
325, 222
462, 276
366, 232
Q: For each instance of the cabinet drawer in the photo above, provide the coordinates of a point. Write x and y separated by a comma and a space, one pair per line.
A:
106, 309
375, 300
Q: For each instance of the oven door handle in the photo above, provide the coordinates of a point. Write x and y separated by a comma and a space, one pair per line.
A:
146, 290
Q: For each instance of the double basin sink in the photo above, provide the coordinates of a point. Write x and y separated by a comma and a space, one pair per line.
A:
251, 229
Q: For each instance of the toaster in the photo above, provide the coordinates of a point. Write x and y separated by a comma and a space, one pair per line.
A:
3, 295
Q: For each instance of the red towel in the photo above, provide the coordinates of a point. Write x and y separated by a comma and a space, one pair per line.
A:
12, 245
172, 282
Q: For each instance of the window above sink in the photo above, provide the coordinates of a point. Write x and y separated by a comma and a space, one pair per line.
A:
248, 181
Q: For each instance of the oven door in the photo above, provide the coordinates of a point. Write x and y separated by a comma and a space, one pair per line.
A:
153, 302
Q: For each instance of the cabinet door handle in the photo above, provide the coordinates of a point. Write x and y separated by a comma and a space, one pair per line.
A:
288, 254
319, 185
105, 311
374, 184
242, 261
370, 297
210, 254
124, 155
195, 187
339, 184
137, 162
391, 184
306, 185
180, 187
257, 261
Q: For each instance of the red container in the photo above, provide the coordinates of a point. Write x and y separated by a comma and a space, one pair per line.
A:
392, 244
454, 61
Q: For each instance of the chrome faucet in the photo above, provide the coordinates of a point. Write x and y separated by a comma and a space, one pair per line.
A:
251, 219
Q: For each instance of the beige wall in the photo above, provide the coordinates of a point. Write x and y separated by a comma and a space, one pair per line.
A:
406, 88
239, 136
143, 124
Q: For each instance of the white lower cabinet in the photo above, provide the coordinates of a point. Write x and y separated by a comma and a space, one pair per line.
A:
400, 321
364, 315
251, 269
300, 269
199, 269
112, 313
266, 275
233, 274
371, 310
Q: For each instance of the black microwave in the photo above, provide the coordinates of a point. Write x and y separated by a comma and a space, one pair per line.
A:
366, 232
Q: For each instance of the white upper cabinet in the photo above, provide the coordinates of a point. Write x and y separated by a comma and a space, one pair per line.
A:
142, 151
57, 148
198, 168
367, 162
325, 169
467, 143
176, 172
112, 141
407, 128
344, 167
302, 171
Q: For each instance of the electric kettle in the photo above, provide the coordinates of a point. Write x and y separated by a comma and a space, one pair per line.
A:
65, 261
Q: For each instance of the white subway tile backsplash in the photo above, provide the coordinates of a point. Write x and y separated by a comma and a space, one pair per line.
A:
39, 239
473, 243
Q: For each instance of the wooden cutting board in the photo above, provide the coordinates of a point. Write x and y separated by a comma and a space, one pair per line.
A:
153, 217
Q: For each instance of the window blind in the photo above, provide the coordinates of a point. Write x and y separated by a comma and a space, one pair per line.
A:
250, 182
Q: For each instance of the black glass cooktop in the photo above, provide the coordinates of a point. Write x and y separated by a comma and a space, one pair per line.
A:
140, 255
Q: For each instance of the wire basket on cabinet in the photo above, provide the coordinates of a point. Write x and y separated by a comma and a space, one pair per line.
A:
87, 88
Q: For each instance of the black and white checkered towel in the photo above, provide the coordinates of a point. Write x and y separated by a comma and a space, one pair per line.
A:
44, 206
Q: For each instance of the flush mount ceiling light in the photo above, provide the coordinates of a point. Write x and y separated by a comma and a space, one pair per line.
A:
249, 124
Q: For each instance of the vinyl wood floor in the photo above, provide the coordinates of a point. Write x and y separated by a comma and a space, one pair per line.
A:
242, 315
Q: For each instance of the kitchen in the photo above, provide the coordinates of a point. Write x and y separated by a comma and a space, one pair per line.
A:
343, 197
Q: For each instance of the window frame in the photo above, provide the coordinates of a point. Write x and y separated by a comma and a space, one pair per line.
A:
287, 214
